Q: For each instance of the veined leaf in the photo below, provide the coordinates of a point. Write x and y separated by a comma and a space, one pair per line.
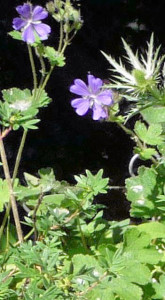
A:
150, 135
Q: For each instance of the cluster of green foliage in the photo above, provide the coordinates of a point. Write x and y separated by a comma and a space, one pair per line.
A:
70, 250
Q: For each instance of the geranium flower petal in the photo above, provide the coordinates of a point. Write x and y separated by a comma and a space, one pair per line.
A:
80, 88
98, 112
25, 10
28, 35
94, 83
39, 13
18, 23
42, 30
81, 105
105, 97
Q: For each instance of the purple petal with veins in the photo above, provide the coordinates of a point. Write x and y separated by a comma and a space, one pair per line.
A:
18, 23
105, 97
80, 105
94, 83
39, 13
42, 30
98, 112
28, 35
30, 22
24, 10
92, 97
79, 87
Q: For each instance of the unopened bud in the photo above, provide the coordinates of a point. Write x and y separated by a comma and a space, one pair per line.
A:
50, 7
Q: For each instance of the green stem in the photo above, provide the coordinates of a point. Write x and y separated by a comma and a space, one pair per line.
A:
43, 72
46, 79
82, 236
67, 41
7, 235
20, 150
126, 130
17, 163
7, 212
61, 36
136, 139
19, 155
10, 186
33, 69
26, 237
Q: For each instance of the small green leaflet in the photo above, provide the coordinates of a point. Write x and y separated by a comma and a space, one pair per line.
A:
154, 114
126, 290
15, 35
55, 58
4, 193
140, 192
145, 153
159, 288
150, 135
93, 184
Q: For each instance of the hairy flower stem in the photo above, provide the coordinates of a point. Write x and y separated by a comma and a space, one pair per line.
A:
82, 236
21, 147
61, 36
67, 42
46, 80
43, 73
33, 68
20, 150
10, 186
19, 155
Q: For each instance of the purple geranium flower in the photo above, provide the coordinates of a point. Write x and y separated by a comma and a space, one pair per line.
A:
30, 22
92, 97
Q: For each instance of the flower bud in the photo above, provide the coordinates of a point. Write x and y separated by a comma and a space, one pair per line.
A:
50, 6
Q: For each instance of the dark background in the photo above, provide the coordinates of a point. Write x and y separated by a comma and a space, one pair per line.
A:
69, 143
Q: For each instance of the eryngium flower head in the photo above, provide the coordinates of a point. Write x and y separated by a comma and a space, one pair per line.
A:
30, 23
145, 72
92, 97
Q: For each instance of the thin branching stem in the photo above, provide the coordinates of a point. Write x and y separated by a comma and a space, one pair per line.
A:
82, 235
19, 155
33, 68
10, 186
17, 163
61, 36
46, 79
25, 237
93, 285
7, 212
43, 74
34, 216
